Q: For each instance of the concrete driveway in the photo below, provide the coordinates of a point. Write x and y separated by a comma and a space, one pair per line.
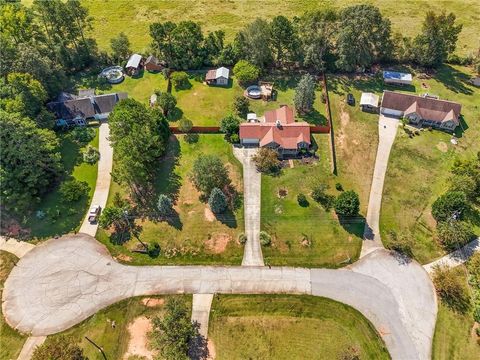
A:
63, 281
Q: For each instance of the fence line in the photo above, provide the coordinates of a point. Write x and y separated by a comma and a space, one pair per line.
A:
330, 123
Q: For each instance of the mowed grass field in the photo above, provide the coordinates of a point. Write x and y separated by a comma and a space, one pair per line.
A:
134, 18
289, 327
194, 234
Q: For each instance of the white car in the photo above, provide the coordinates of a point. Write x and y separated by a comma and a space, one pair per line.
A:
93, 213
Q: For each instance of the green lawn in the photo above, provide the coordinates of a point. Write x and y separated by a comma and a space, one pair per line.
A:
193, 236
11, 342
112, 17
60, 217
419, 167
114, 341
289, 327
331, 244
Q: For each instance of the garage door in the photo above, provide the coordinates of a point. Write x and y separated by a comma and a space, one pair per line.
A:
391, 112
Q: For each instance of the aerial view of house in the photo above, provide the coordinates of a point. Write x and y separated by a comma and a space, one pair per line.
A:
218, 76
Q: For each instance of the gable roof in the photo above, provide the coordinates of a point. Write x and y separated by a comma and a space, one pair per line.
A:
104, 103
134, 61
152, 59
222, 72
370, 99
428, 108
284, 114
394, 75
71, 109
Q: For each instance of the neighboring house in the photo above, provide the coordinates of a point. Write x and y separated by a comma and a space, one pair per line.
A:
218, 76
369, 102
397, 78
422, 111
134, 64
76, 110
277, 130
153, 64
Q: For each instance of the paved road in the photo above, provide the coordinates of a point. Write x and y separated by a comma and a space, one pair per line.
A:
102, 188
387, 129
252, 255
201, 305
63, 281
457, 257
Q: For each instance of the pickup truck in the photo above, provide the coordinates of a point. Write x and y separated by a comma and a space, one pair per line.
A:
93, 213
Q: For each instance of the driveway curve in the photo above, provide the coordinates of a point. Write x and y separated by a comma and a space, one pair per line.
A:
63, 281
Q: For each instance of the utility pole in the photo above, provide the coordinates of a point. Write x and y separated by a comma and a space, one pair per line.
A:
98, 347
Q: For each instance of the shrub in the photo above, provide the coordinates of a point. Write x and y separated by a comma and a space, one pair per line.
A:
180, 80
164, 205
235, 139
339, 187
185, 125
347, 204
166, 102
402, 243
91, 155
246, 72
240, 106
82, 135
208, 173
319, 195
452, 288
73, 190
61, 347
450, 205
242, 238
230, 126
217, 201
153, 250
453, 234
302, 200
266, 161
473, 266
265, 238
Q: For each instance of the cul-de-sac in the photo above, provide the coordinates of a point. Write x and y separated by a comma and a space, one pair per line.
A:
239, 179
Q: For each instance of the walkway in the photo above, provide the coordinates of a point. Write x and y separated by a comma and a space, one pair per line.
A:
387, 129
102, 188
63, 281
29, 347
16, 247
252, 180
455, 258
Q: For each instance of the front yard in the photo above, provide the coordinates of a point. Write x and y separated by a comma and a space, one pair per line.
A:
306, 235
195, 235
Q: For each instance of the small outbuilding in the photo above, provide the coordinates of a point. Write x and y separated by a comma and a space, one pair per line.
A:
218, 76
397, 78
369, 102
153, 64
134, 64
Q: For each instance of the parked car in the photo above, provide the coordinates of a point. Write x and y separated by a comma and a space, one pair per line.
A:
350, 100
93, 213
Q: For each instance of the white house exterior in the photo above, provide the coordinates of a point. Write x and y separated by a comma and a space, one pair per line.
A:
369, 102
218, 76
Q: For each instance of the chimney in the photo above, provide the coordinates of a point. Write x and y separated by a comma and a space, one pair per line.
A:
278, 124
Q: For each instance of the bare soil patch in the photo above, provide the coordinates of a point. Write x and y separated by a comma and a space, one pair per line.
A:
218, 242
209, 215
443, 147
138, 344
211, 350
124, 258
282, 193
153, 302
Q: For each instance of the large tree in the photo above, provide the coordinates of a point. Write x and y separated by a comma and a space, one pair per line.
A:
120, 46
162, 40
213, 47
139, 138
364, 37
209, 172
30, 162
253, 43
305, 94
284, 41
59, 347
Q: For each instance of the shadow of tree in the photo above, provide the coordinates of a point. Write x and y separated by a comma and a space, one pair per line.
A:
454, 80
356, 225
167, 181
198, 349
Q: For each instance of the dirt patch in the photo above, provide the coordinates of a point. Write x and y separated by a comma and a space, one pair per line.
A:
218, 242
209, 215
124, 258
211, 349
153, 302
282, 193
443, 147
344, 121
473, 333
138, 344
290, 163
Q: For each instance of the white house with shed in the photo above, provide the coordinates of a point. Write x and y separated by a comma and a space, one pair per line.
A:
369, 102
397, 78
218, 76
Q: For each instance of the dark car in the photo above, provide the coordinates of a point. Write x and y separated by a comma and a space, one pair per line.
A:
350, 100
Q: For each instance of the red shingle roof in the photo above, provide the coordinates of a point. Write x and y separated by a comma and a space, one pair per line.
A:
284, 114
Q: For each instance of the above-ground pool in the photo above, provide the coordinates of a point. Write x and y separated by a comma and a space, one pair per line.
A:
254, 92
113, 74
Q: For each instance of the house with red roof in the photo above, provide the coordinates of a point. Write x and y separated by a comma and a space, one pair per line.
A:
277, 130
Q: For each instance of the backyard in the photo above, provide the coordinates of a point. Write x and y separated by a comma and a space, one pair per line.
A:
54, 216
306, 235
419, 166
290, 327
194, 234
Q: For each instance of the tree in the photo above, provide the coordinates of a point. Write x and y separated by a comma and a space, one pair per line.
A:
364, 37
284, 39
30, 162
302, 200
466, 184
173, 333
139, 137
116, 217
305, 94
120, 46
319, 194
253, 43
162, 43
185, 125
208, 173
59, 347
450, 205
266, 161
230, 125
245, 72
347, 204
453, 234
187, 41
213, 46
91, 155
227, 56
166, 102
241, 106
402, 243
164, 205
180, 80
452, 288
73, 190
437, 40
217, 201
